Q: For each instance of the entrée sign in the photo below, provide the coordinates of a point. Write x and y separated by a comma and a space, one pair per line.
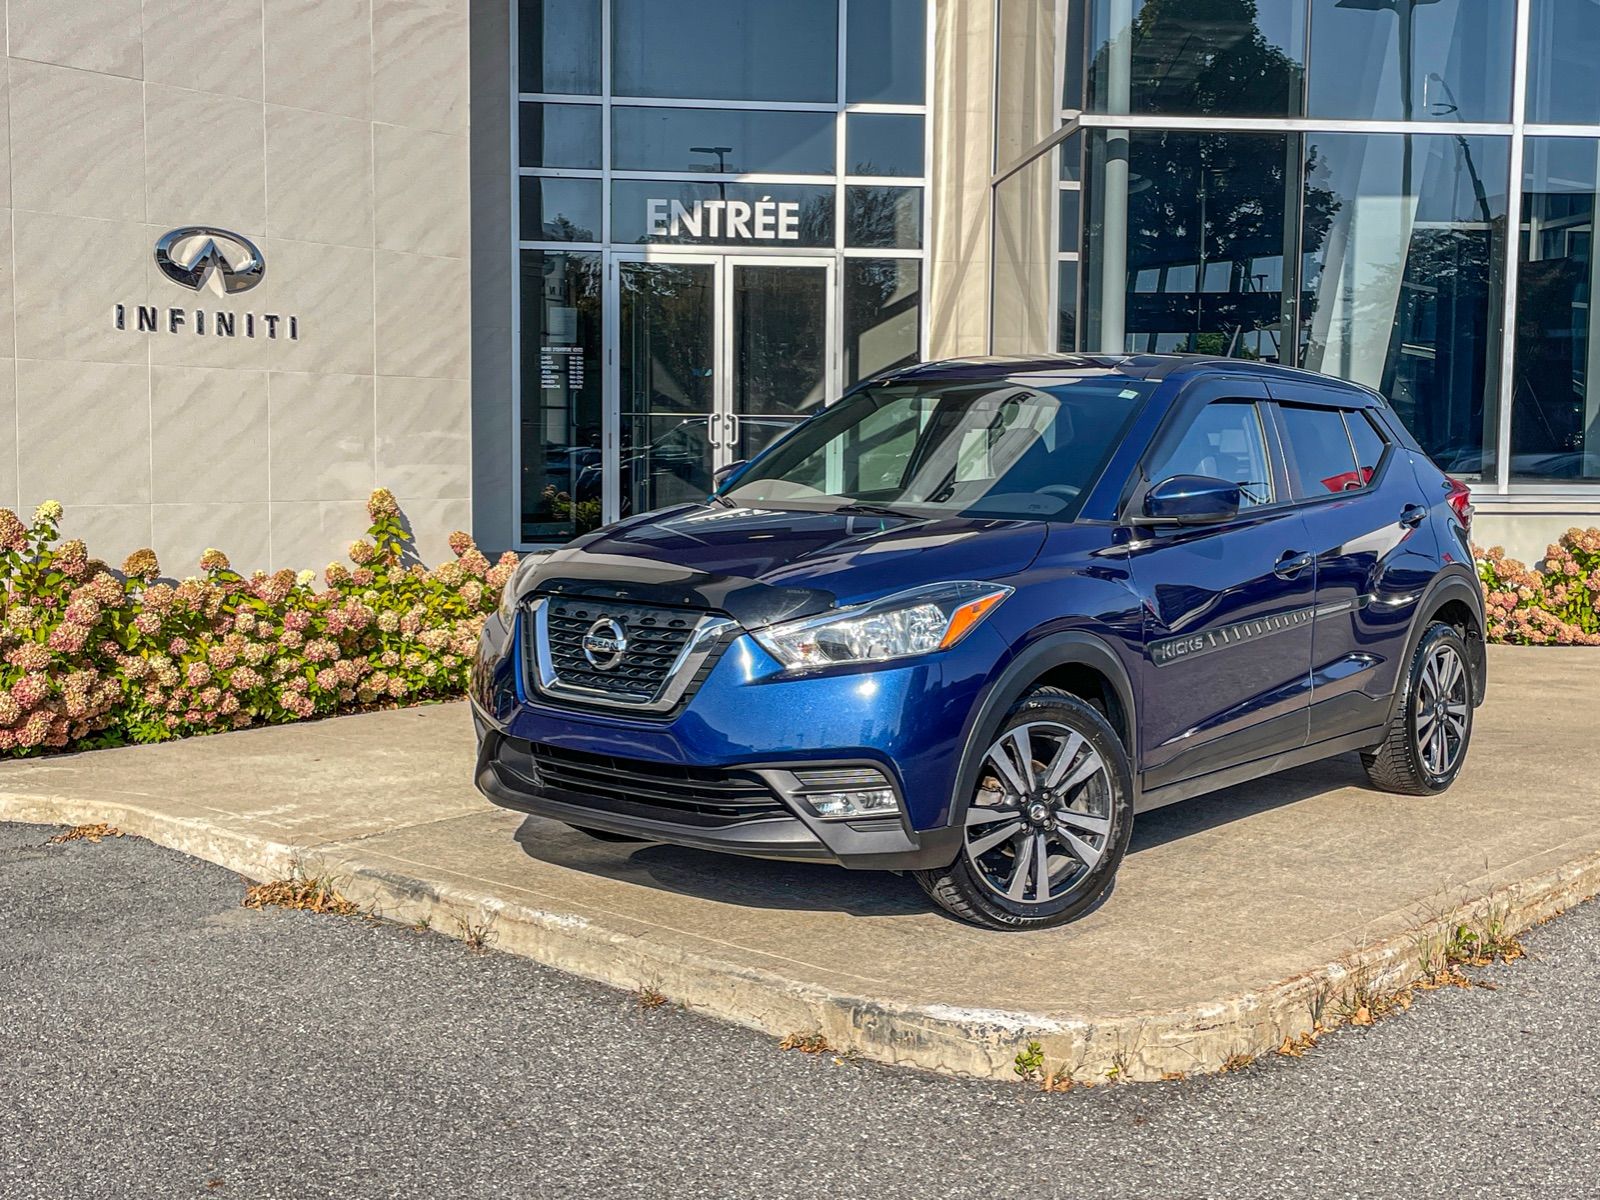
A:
765, 220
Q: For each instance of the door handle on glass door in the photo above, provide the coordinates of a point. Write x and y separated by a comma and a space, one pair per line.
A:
733, 431
711, 430
1290, 563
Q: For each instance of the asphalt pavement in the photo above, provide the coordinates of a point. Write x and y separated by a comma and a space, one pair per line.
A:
157, 1039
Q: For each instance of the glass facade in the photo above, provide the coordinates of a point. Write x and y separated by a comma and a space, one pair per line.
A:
1327, 184
721, 225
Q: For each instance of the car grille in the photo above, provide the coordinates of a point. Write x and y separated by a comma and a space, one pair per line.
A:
702, 796
656, 640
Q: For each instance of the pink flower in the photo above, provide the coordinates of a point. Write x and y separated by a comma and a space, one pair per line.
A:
30, 656
141, 564
362, 552
460, 542
147, 623
13, 533
72, 559
198, 675
362, 577
68, 639
214, 560
382, 504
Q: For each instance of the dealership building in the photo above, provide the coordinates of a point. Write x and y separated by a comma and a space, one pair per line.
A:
537, 265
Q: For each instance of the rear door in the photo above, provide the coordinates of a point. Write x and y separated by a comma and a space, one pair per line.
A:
1363, 511
1227, 607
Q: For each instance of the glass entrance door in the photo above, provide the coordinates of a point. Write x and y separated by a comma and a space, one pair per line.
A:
716, 357
778, 349
667, 383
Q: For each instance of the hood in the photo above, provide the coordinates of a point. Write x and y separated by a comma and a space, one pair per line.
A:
766, 565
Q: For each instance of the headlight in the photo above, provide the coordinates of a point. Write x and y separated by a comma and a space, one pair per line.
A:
512, 592
913, 622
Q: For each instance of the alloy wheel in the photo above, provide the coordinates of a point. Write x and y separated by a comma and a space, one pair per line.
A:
1041, 818
1441, 710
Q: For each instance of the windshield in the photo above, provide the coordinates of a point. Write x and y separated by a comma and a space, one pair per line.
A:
989, 449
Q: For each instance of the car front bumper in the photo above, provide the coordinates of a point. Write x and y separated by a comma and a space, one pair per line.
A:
744, 733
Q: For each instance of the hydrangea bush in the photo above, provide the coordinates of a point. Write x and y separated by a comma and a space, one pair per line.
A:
94, 657
1557, 604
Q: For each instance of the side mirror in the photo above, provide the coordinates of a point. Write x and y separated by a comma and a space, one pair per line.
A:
1191, 500
722, 474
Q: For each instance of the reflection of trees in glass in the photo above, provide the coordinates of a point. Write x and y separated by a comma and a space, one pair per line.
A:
1206, 216
880, 217
666, 354
1204, 56
878, 293
779, 340
560, 228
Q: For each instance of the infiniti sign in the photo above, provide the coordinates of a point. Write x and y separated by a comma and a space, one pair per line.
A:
194, 256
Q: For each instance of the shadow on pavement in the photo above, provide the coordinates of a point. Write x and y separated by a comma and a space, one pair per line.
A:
818, 887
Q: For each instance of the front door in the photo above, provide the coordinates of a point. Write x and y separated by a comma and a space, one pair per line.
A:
1228, 608
716, 356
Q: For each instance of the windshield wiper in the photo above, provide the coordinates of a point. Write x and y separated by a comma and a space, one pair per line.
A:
873, 510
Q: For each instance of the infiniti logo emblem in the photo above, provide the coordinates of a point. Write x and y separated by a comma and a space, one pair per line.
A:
605, 644
193, 255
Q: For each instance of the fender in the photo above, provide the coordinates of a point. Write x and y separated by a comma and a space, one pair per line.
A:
1455, 582
1055, 650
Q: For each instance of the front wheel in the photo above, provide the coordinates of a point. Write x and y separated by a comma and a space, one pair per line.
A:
1426, 743
1048, 822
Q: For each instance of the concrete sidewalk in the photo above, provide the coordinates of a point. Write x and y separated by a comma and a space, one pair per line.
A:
1237, 918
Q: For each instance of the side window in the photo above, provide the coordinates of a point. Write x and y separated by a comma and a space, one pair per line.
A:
1320, 458
1368, 442
1225, 442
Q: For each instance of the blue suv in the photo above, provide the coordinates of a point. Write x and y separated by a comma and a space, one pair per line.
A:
970, 619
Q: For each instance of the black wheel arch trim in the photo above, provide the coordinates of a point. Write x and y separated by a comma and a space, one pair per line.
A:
1455, 582
1067, 648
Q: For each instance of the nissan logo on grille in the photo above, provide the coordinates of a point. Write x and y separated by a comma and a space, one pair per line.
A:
605, 644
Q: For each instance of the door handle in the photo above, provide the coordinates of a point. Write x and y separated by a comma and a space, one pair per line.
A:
1412, 515
1290, 564
733, 431
711, 431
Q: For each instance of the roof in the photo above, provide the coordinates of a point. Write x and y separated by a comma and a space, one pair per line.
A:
1137, 366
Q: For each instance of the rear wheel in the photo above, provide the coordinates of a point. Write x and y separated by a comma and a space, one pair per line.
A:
1425, 745
1048, 822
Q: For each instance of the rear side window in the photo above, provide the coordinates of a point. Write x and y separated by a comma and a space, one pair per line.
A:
1225, 442
1321, 460
1368, 442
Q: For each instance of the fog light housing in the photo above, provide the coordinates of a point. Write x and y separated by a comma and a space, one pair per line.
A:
848, 794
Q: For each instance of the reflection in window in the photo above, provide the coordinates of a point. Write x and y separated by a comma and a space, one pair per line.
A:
783, 50
560, 210
1564, 62
1067, 305
882, 315
559, 46
1183, 57
722, 141
886, 218
560, 135
883, 144
1400, 240
1555, 420
561, 394
1402, 60
886, 44
1205, 226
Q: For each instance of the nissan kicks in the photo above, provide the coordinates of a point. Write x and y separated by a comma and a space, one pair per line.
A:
970, 619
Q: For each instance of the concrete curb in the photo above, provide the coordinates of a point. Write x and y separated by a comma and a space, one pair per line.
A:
974, 1042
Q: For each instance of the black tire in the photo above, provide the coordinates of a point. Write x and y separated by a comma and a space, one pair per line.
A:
1400, 763
969, 888
605, 835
